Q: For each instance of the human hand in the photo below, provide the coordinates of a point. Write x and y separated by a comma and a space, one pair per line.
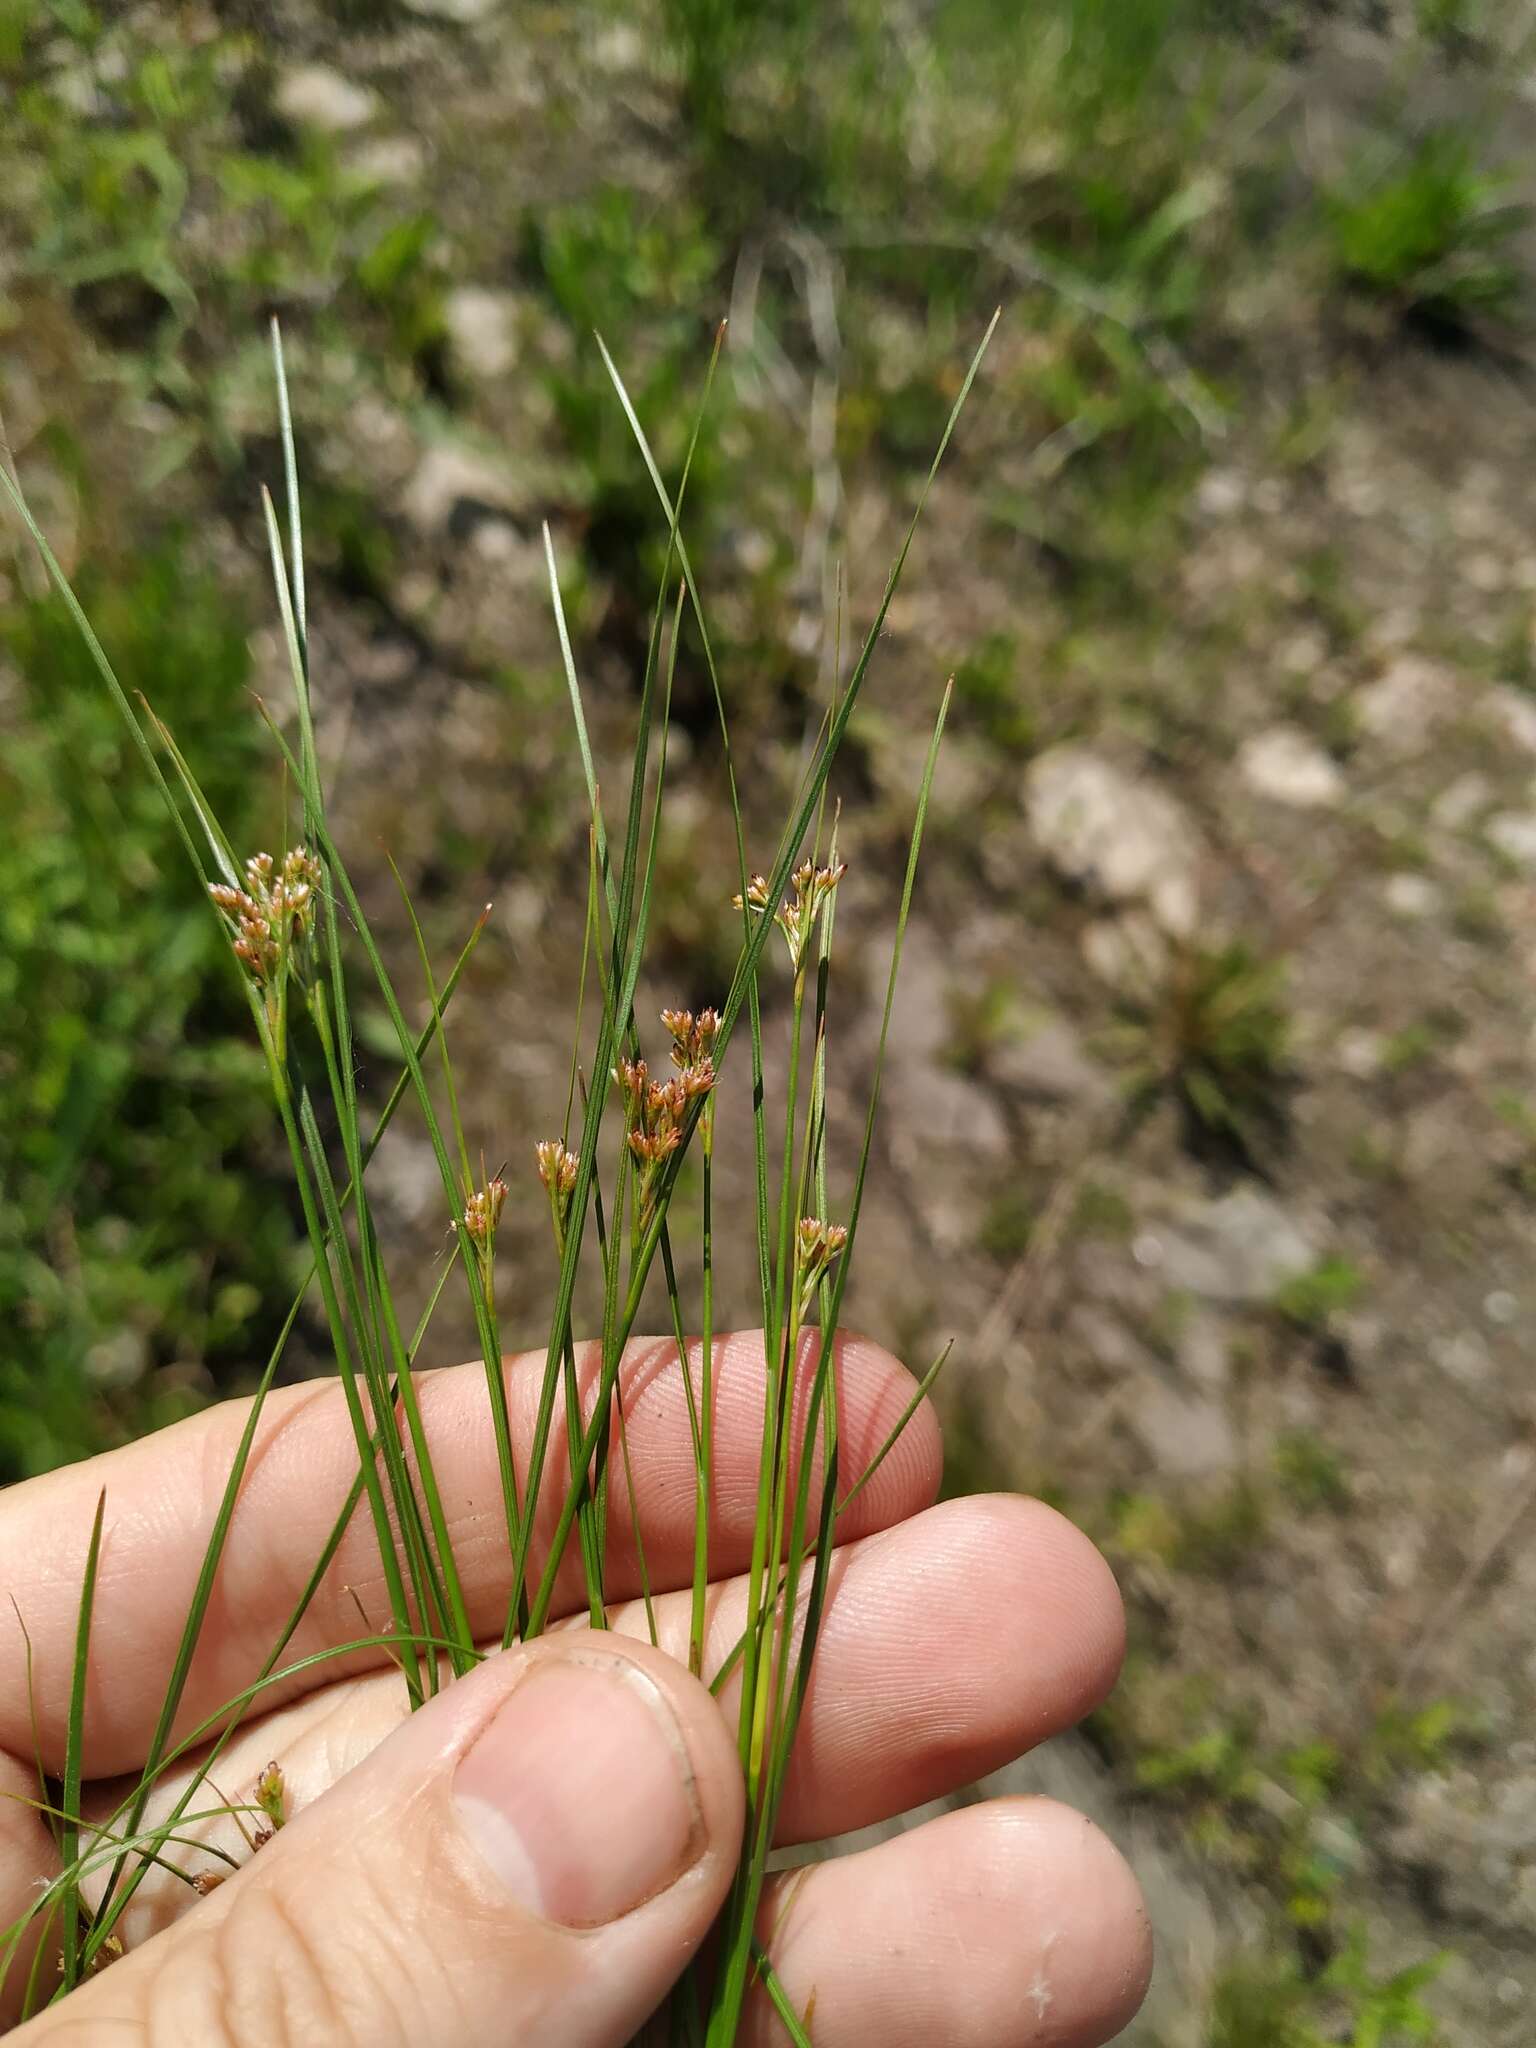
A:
534, 1856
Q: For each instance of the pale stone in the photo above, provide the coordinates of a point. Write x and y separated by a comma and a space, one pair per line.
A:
1044, 1059
1288, 767
1123, 839
1514, 834
1409, 895
482, 329
1460, 801
1405, 704
447, 477
1514, 715
318, 97
1242, 1247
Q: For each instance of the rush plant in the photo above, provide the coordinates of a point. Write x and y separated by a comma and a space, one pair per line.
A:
642, 1101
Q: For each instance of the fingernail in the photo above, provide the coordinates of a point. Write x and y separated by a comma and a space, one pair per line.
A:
580, 1794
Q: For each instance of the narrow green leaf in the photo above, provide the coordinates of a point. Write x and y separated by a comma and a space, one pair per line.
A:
74, 1749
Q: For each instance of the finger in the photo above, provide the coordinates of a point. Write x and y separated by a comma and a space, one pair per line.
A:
949, 1645
531, 1858
163, 1495
28, 1858
1009, 1925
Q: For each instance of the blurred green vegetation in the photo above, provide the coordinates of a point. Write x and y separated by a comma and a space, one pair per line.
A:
143, 1239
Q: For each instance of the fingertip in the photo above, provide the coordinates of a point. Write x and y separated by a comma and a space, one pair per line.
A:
1020, 1924
716, 1769
1067, 1598
1080, 1897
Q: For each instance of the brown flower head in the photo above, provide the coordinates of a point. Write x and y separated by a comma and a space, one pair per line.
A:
482, 1210
272, 918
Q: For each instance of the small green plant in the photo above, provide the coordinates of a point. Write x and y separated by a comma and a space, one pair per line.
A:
1416, 1738
1264, 2005
1214, 1036
1428, 231
1311, 1472
989, 687
638, 1106
1313, 1298
713, 39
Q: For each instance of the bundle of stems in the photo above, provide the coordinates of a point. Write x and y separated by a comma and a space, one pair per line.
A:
612, 1180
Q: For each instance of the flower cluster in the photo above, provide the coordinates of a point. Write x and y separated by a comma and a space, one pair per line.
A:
691, 1037
655, 1111
796, 916
557, 1168
271, 1797
273, 916
818, 1245
482, 1210
557, 1171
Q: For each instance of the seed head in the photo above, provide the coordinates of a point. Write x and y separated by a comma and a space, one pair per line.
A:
796, 916
651, 1148
698, 1079
818, 1245
270, 1792
482, 1210
631, 1076
273, 916
691, 1036
557, 1167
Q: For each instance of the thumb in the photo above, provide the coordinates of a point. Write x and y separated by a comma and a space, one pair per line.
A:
531, 1859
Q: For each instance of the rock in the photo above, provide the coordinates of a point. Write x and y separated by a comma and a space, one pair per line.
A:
1201, 1349
1122, 839
1303, 652
482, 330
1184, 1431
465, 11
1514, 716
1460, 801
449, 480
1288, 767
1405, 705
1410, 895
1514, 834
1242, 1247
118, 1360
1187, 1436
390, 159
1463, 1356
1479, 1836
1360, 1052
1221, 492
1043, 1059
1129, 953
315, 96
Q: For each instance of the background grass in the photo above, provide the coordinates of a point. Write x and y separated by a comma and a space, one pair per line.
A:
1255, 433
